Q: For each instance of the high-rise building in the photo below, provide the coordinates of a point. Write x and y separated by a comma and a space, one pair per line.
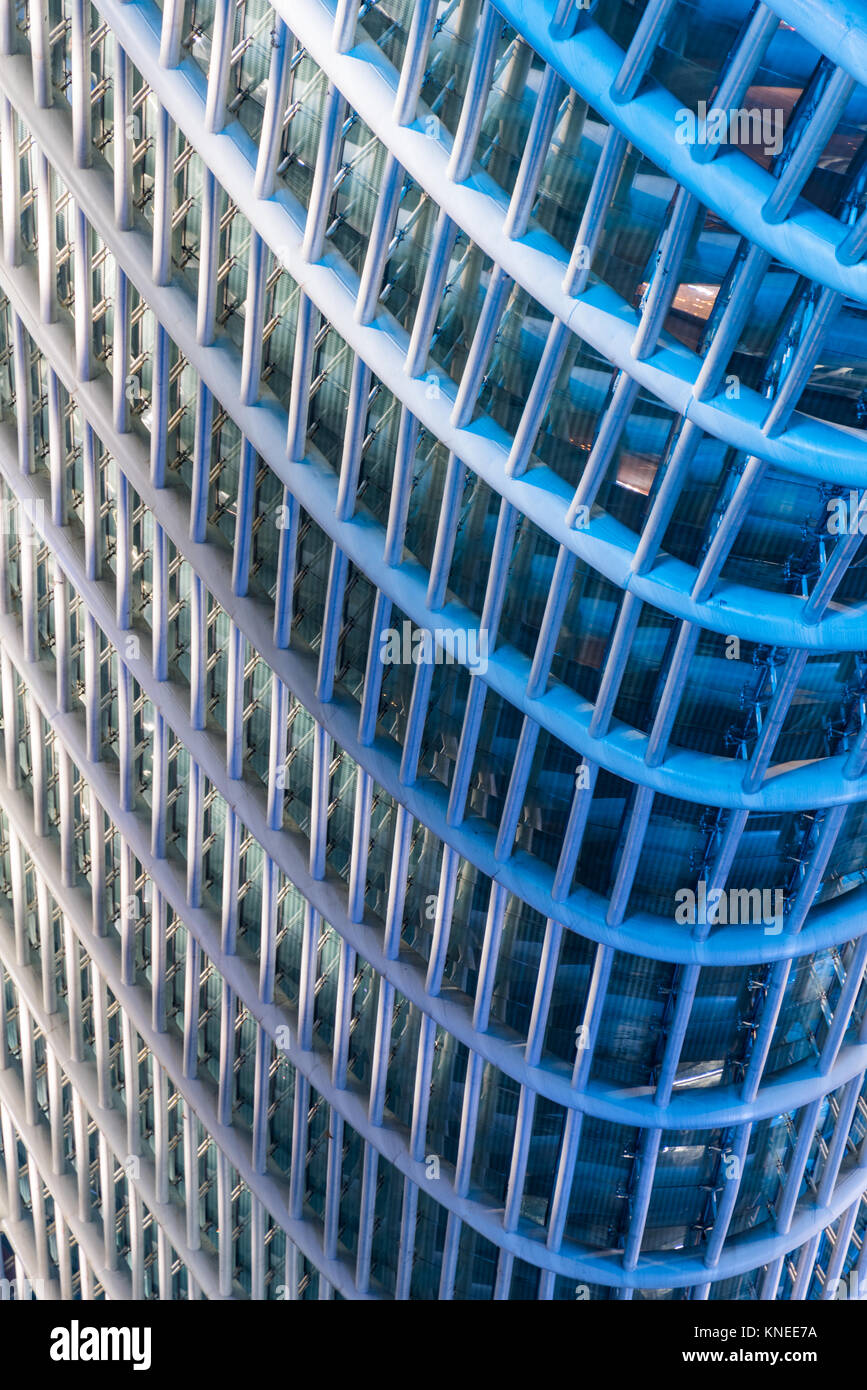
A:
433, 649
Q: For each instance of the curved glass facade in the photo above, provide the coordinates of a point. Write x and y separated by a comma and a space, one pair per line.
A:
433, 649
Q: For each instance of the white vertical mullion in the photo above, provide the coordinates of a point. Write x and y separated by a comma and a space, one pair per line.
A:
82, 1157
331, 623
10, 1146
475, 97
40, 1228
381, 233
56, 453
283, 44
367, 1207
242, 552
330, 146
201, 464
195, 830
343, 1014
28, 1061
209, 252
300, 1139
97, 866
136, 1248
83, 297
218, 68
132, 1095
126, 774
64, 1262
10, 183
46, 948
120, 359
259, 1153
46, 237
289, 518
406, 1248
191, 1177
90, 476
192, 973
345, 21
27, 547
198, 651
108, 1202
11, 722
161, 1138
431, 296
159, 602
268, 936
257, 1249
41, 828
71, 953
333, 1179
277, 752
164, 147
302, 363
92, 642
19, 897
251, 359
235, 704
445, 904
79, 50
225, 1237
122, 137
55, 1113
160, 764
159, 411
100, 1034
23, 394
171, 33
225, 1083
360, 844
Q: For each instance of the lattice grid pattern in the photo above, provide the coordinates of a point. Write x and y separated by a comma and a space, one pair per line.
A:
324, 977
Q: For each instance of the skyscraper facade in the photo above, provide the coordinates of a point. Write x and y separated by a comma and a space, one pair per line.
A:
433, 649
